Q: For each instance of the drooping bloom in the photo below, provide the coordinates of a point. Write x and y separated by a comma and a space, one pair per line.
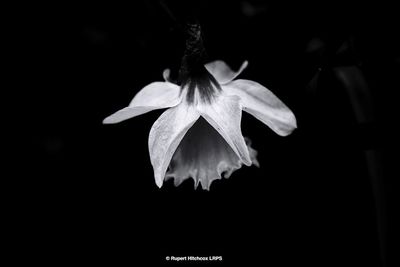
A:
199, 135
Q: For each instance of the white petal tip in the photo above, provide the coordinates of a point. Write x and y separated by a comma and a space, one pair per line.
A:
159, 183
166, 74
109, 120
284, 133
287, 131
247, 162
286, 128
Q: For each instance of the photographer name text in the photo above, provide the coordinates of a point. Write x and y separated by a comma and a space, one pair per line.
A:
193, 258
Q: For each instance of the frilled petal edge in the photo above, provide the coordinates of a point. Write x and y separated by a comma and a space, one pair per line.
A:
264, 105
156, 95
222, 72
205, 156
166, 134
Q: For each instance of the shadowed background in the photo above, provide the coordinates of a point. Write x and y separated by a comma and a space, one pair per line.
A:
321, 196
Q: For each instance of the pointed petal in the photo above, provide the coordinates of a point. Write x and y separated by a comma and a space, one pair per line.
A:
166, 73
264, 105
222, 72
126, 113
225, 114
166, 134
204, 156
156, 95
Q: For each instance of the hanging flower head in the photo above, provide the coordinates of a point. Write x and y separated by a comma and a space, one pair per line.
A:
199, 135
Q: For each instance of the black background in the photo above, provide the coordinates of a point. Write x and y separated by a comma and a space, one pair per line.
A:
88, 192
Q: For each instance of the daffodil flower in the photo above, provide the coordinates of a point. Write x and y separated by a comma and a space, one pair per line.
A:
199, 135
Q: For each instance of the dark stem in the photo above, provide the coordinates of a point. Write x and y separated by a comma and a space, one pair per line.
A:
195, 54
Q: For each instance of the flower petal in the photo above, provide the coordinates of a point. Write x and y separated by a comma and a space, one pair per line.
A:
166, 75
222, 72
166, 134
156, 95
264, 105
225, 114
204, 156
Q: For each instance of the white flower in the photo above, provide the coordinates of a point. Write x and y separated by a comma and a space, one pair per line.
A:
199, 135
